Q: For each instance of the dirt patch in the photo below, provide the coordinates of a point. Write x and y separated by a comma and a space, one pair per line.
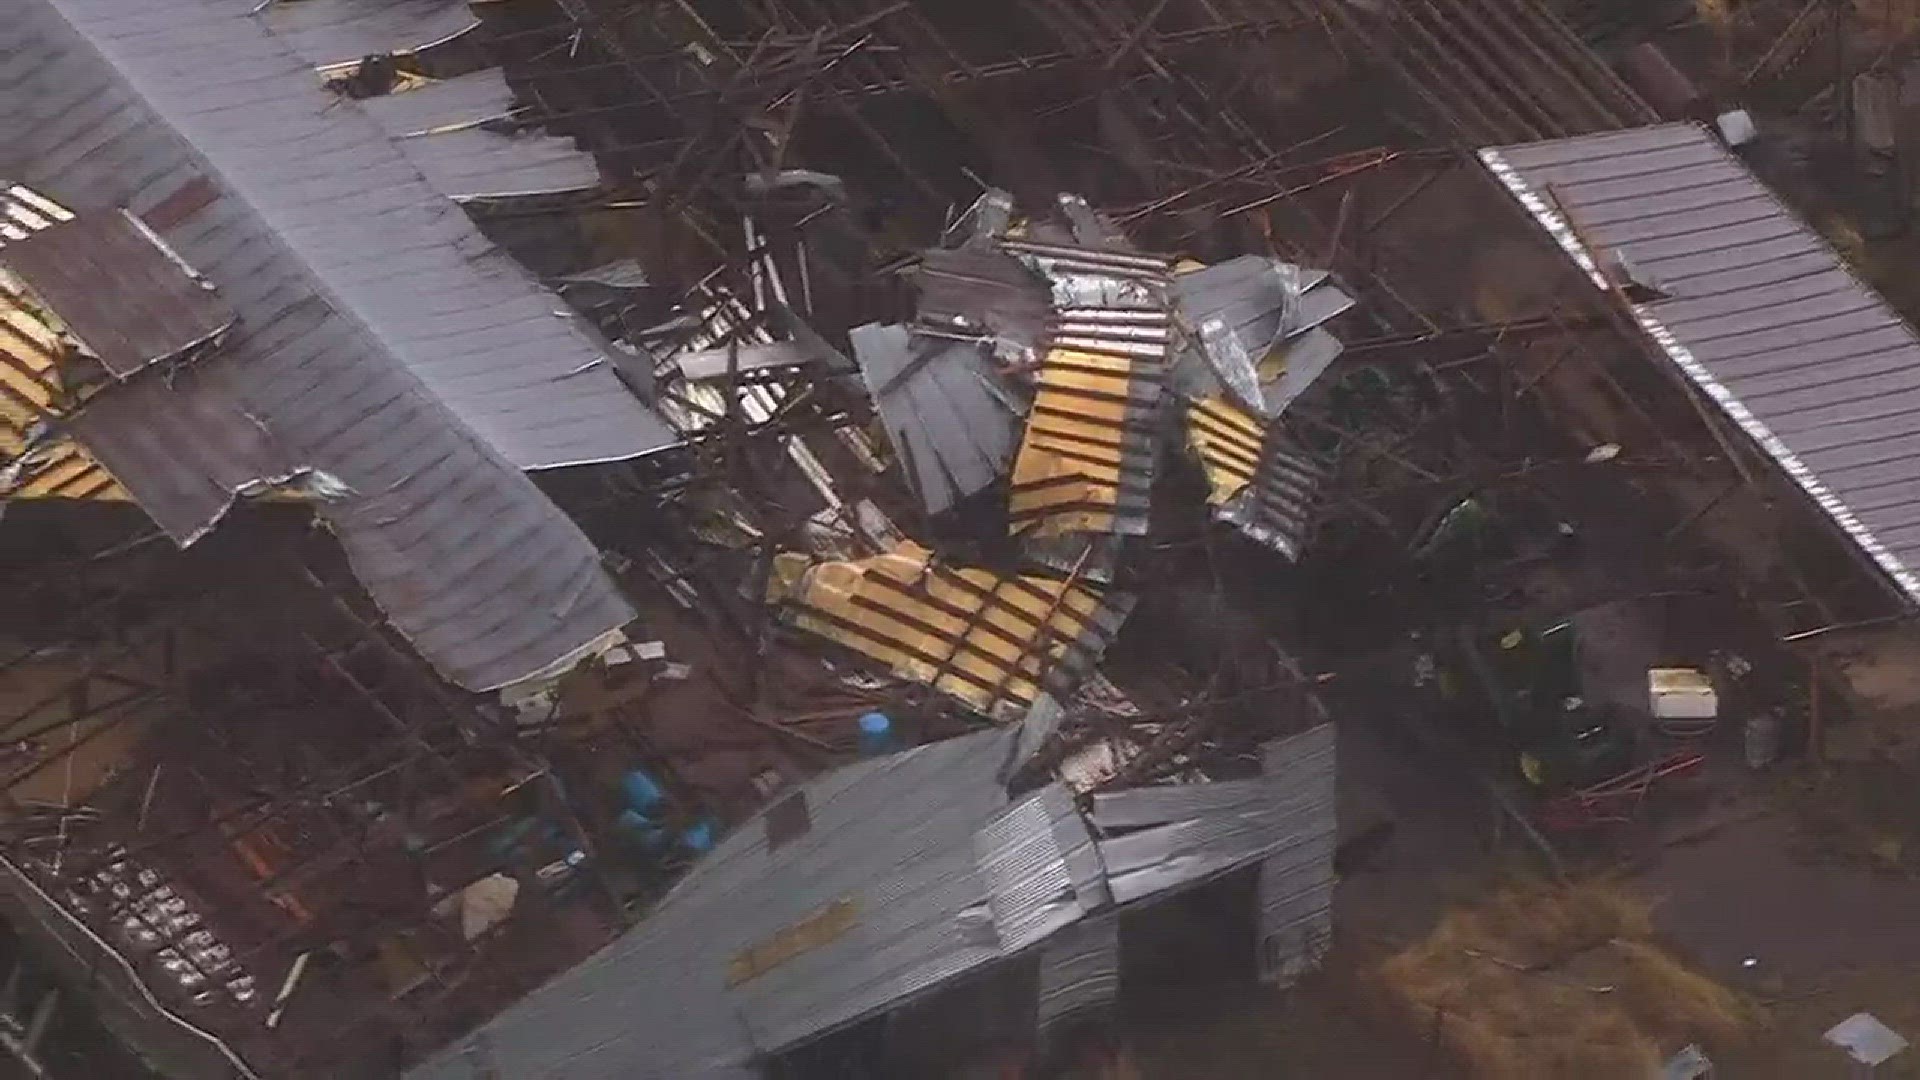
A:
1857, 813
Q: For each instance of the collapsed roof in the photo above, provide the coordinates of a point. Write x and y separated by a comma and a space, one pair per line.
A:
380, 340
893, 878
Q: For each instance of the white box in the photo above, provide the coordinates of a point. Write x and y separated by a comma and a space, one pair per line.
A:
1682, 694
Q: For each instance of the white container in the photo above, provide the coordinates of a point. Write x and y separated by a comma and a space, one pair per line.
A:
1682, 694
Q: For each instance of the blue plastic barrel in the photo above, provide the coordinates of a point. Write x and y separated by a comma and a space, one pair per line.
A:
699, 838
876, 734
642, 791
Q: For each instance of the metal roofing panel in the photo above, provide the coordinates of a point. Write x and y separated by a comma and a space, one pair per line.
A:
1079, 970
943, 408
994, 642
118, 290
312, 166
1258, 480
327, 32
981, 290
1213, 833
1296, 882
490, 581
1756, 310
897, 837
464, 99
183, 448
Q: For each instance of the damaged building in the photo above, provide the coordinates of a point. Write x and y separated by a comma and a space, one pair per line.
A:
873, 897
582, 538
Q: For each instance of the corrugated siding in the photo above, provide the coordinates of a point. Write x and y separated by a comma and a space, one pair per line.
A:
1757, 310
1296, 881
947, 418
1079, 970
991, 641
1218, 828
1257, 480
471, 562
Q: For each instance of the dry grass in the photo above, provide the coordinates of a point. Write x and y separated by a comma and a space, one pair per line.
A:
1540, 980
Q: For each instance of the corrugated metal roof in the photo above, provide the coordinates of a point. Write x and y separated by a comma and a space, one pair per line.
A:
942, 875
185, 447
117, 290
897, 836
992, 641
977, 290
338, 31
944, 410
500, 351
1207, 829
1086, 461
439, 127
1756, 309
1252, 329
1257, 479
1296, 883
380, 339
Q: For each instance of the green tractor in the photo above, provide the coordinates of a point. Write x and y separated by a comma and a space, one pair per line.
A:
1532, 680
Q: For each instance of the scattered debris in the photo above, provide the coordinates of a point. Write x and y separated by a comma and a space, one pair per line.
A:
1866, 1040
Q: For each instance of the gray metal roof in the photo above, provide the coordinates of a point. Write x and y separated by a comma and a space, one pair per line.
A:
381, 340
384, 244
127, 298
1755, 308
932, 873
438, 128
1188, 833
944, 407
896, 835
1242, 309
339, 31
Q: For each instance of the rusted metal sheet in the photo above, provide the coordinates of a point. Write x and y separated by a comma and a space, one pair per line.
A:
118, 290
991, 641
1754, 307
34, 462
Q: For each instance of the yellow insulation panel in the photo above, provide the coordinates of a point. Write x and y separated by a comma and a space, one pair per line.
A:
1228, 439
31, 346
986, 639
1066, 477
